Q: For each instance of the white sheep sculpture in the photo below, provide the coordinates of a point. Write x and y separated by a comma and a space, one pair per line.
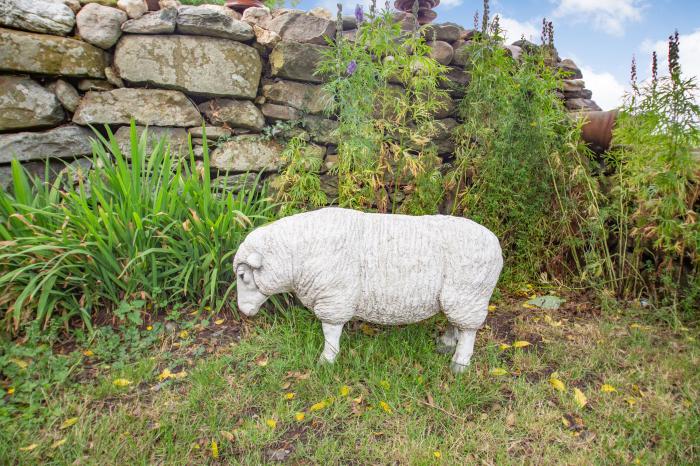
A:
380, 268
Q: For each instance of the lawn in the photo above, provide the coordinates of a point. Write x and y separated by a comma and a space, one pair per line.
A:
583, 386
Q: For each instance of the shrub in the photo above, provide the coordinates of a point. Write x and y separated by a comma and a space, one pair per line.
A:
138, 231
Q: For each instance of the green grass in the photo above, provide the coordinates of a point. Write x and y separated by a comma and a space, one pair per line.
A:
238, 373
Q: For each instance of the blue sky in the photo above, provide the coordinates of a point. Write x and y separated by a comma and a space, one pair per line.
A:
599, 35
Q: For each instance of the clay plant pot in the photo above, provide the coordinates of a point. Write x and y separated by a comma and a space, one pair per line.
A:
242, 5
152, 5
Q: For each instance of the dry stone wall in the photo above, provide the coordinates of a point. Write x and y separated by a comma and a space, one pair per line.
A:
66, 64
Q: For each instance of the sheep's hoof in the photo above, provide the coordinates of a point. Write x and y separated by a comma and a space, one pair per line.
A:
444, 348
324, 360
458, 368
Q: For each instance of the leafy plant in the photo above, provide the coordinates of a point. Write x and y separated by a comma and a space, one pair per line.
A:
299, 185
386, 93
145, 226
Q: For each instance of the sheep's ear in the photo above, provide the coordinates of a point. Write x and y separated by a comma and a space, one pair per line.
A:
255, 260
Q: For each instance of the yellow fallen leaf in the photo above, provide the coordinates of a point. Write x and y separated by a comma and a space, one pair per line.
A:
552, 322
88, 353
262, 360
565, 421
385, 384
344, 390
529, 306
271, 423
521, 344
497, 371
22, 364
605, 388
557, 384
385, 406
184, 334
437, 454
357, 400
289, 396
299, 416
219, 321
503, 346
121, 382
492, 307
580, 398
166, 374
631, 401
180, 375
318, 406
214, 449
58, 443
68, 422
367, 330
29, 447
227, 435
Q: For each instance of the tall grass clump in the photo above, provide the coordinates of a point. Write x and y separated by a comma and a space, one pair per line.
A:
511, 152
647, 216
386, 92
143, 230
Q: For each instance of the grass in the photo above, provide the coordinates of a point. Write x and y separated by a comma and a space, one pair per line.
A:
402, 404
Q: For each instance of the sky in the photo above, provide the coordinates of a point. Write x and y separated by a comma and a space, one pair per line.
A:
601, 36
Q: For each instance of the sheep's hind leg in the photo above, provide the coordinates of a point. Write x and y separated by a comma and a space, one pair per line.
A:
331, 333
464, 351
447, 342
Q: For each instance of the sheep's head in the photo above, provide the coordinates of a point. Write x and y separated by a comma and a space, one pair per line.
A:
249, 296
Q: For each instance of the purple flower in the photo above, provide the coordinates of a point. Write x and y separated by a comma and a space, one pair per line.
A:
359, 14
352, 66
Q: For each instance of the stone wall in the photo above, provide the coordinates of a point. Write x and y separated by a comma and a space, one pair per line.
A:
66, 64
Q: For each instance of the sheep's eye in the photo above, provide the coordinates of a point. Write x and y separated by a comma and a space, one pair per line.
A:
241, 275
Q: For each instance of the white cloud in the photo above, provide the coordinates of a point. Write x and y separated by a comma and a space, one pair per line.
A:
606, 15
608, 91
513, 29
690, 51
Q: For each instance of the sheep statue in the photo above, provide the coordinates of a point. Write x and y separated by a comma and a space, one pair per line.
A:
380, 268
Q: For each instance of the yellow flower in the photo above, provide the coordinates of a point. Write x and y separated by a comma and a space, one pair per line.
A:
385, 384
299, 416
605, 388
437, 454
271, 423
344, 390
184, 334
166, 374
289, 396
491, 308
10, 390
88, 353
385, 406
149, 328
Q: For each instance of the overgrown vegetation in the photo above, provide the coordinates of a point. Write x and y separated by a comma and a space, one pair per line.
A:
143, 231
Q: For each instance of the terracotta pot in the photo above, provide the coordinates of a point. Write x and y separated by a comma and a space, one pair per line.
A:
597, 131
152, 5
242, 5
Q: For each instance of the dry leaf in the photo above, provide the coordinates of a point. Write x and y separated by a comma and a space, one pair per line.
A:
219, 321
22, 364
385, 406
58, 443
367, 330
510, 419
557, 384
521, 344
580, 398
29, 447
227, 435
497, 371
503, 346
121, 382
68, 422
318, 406
261, 360
214, 449
631, 401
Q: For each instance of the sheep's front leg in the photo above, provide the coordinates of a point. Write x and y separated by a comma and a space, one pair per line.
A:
447, 342
331, 333
463, 353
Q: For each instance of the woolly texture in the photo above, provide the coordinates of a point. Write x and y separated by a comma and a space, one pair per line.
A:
385, 269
